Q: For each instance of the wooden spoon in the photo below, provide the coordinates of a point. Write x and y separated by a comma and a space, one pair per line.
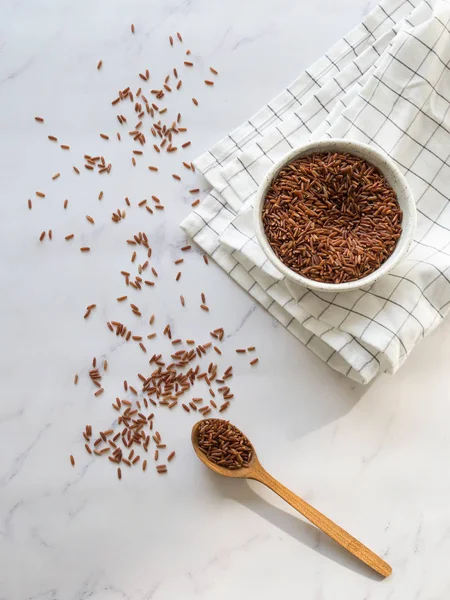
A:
255, 471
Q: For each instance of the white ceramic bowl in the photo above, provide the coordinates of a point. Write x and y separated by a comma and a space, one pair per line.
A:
392, 175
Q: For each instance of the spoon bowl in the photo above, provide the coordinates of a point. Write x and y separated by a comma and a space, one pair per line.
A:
254, 470
243, 473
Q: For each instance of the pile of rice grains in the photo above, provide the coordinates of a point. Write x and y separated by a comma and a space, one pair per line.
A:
331, 217
223, 444
170, 382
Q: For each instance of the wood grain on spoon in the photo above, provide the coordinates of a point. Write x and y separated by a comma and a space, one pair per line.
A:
255, 471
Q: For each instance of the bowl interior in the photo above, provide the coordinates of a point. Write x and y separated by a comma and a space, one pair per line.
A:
393, 177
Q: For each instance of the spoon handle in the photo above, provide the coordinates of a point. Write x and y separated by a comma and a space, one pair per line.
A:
323, 523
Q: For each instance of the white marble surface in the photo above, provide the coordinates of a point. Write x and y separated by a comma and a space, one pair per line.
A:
374, 459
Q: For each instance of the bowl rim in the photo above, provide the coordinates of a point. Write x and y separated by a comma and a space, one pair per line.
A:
388, 169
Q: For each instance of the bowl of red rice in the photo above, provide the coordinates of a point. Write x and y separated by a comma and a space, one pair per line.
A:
335, 215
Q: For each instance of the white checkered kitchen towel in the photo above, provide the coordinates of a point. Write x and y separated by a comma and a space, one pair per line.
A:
386, 84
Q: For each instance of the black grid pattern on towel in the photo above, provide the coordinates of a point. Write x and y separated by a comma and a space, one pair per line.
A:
418, 259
